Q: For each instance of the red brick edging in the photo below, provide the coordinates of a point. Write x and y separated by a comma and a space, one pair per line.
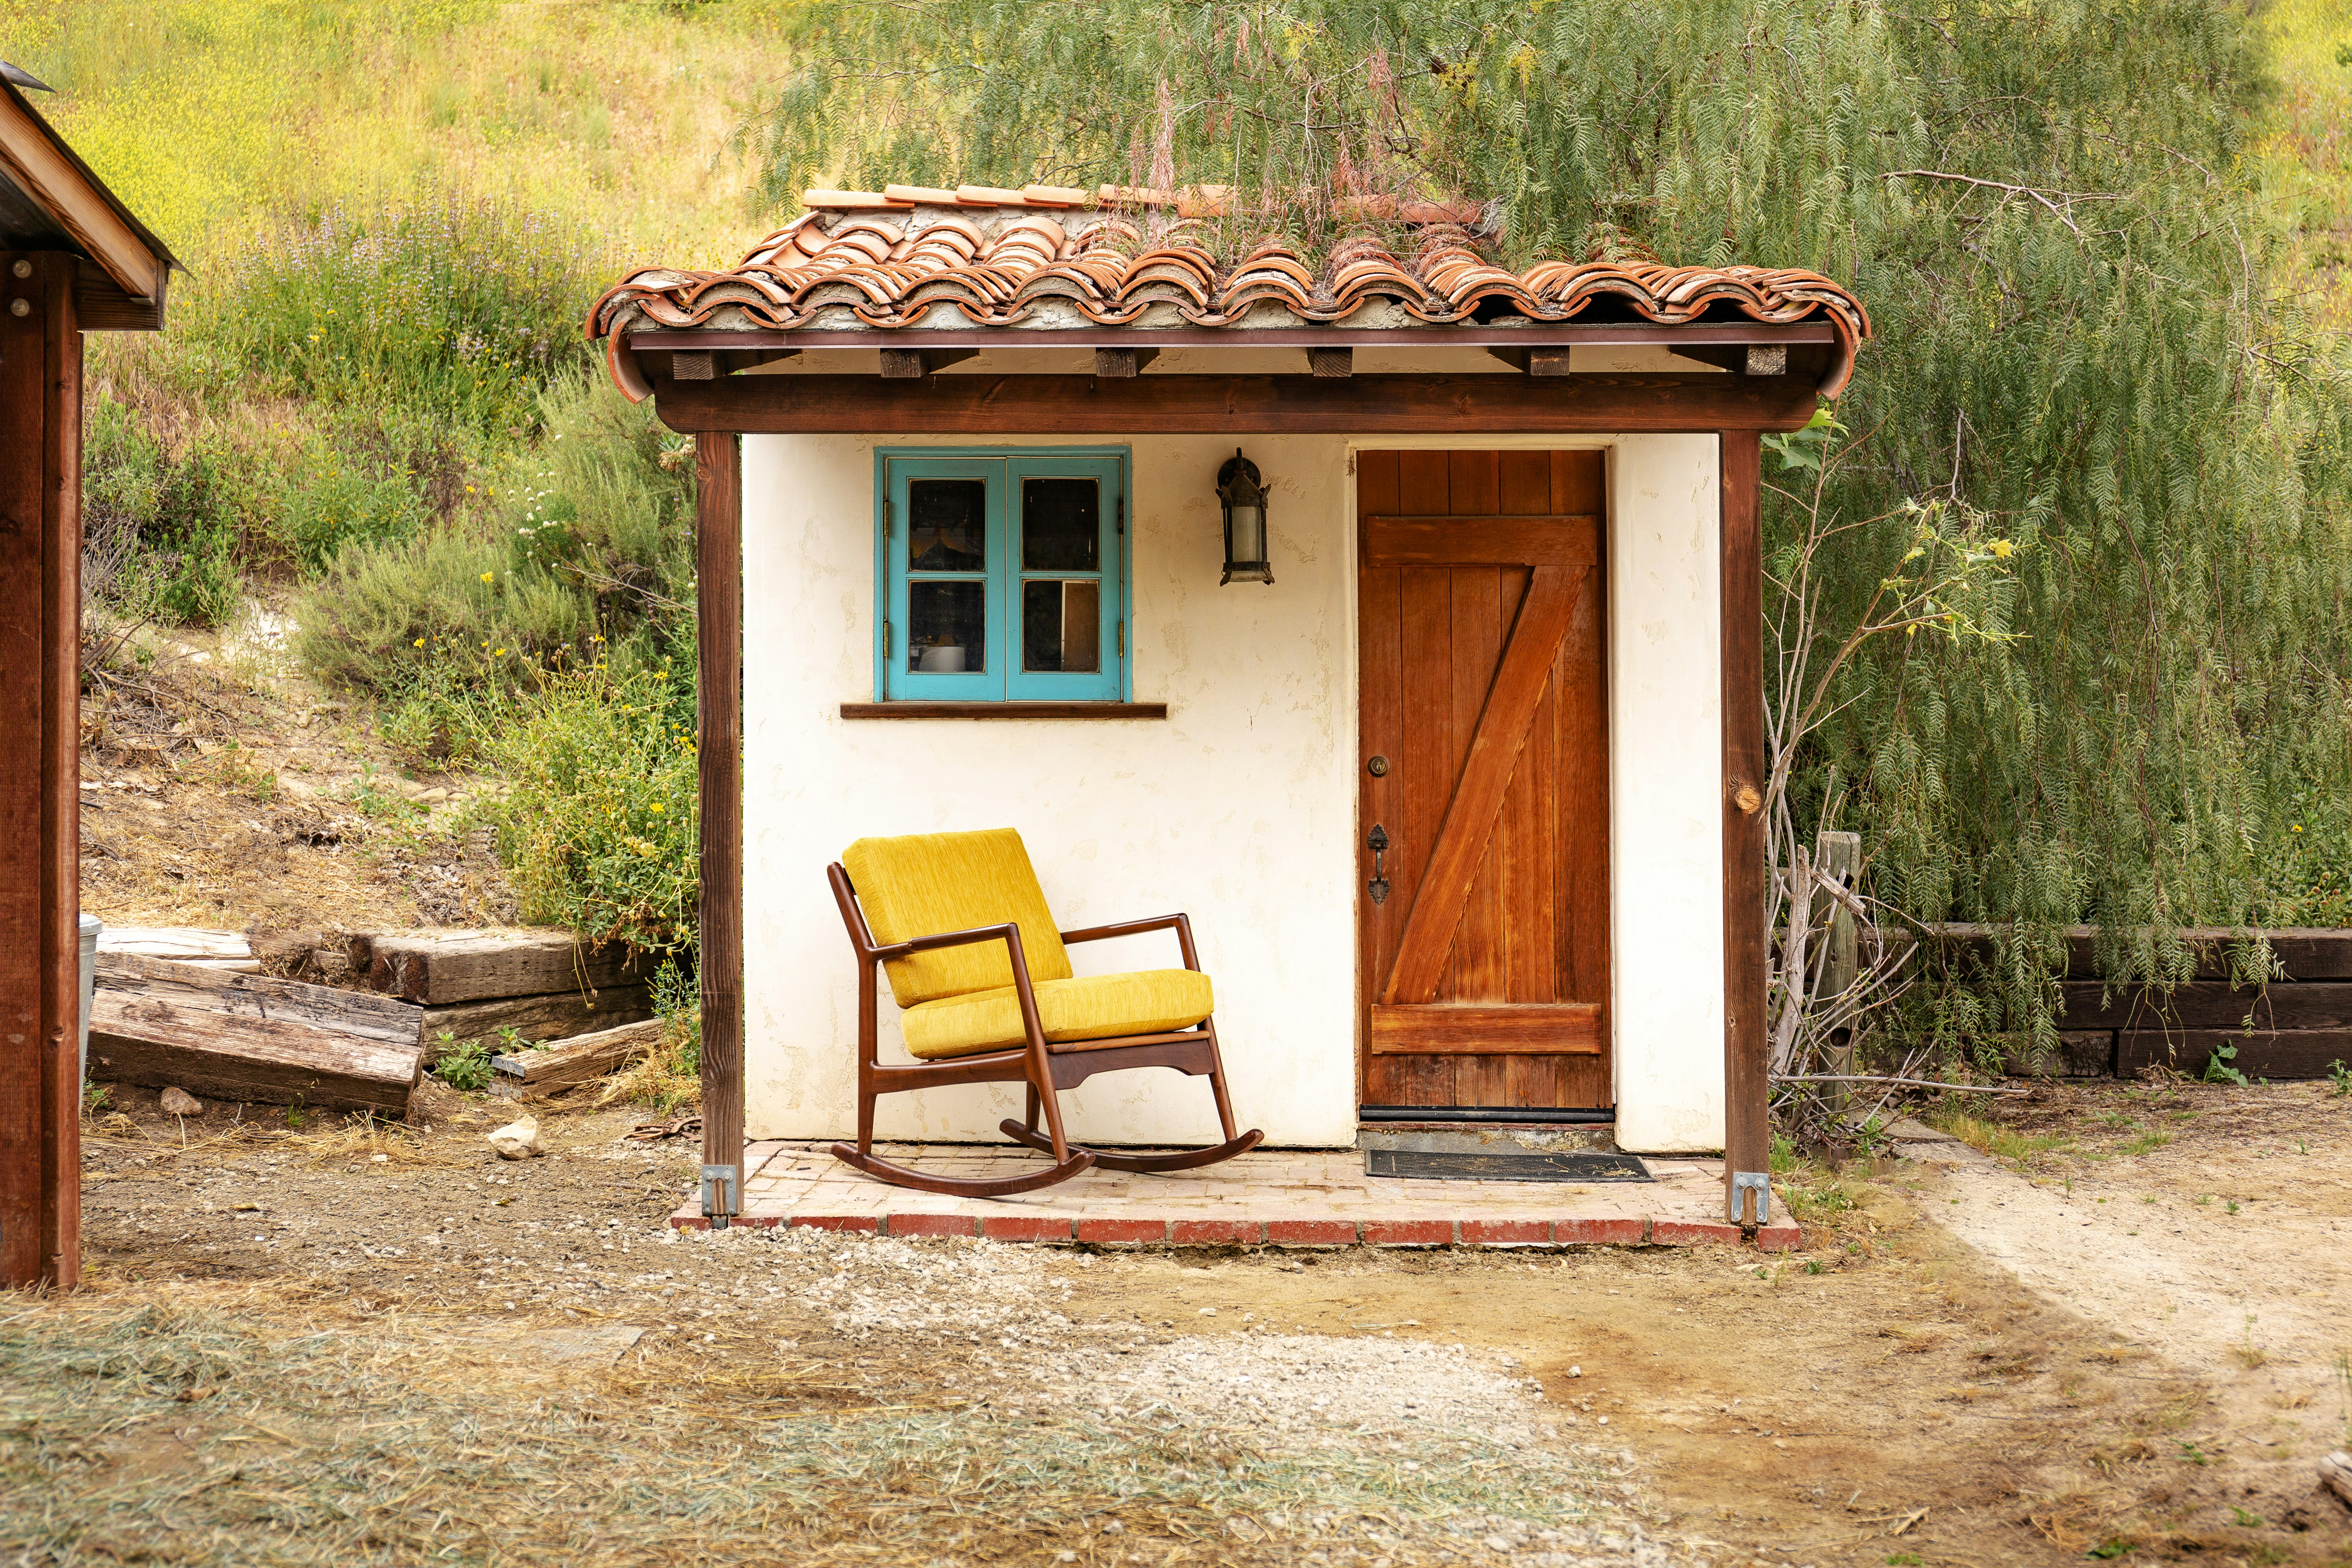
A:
1781, 1238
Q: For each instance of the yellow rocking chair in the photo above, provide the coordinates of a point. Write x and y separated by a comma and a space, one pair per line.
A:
985, 982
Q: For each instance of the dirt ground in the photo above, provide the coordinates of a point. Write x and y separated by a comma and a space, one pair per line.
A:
222, 788
354, 1343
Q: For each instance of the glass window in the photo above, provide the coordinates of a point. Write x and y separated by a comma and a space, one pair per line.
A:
1061, 525
947, 627
1061, 624
1003, 576
947, 525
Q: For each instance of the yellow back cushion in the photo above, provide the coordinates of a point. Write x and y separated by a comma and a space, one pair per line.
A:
927, 883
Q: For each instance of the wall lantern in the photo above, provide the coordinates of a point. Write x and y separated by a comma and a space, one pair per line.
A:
1244, 499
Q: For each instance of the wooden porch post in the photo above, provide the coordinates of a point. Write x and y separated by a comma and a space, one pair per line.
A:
1747, 1134
41, 819
718, 592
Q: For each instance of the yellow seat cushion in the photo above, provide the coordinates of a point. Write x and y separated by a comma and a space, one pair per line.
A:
1095, 1007
928, 883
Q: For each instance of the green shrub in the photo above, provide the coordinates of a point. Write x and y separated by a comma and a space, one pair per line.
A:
467, 306
600, 827
333, 505
177, 513
464, 1064
586, 559
678, 998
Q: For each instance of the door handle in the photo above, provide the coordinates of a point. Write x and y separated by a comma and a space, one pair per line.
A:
1378, 842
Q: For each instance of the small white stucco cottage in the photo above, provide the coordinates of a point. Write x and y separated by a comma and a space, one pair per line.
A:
1456, 777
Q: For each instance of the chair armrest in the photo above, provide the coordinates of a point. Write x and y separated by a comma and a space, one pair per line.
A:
1008, 934
1182, 924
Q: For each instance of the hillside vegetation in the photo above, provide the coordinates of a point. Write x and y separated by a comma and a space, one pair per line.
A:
375, 411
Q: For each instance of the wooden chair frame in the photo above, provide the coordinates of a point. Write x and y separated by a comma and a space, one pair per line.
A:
1047, 1067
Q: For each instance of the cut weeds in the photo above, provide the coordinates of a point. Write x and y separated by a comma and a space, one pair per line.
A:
363, 1443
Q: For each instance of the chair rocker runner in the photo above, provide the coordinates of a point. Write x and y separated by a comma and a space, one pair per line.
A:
984, 979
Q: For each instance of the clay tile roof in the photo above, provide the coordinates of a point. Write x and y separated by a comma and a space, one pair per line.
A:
1035, 257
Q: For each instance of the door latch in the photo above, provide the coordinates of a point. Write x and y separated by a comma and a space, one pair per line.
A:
1378, 842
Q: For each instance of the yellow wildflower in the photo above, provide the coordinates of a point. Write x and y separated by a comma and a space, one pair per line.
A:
2003, 549
420, 642
656, 808
488, 575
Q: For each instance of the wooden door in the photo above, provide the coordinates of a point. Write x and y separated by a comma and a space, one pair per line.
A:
1484, 973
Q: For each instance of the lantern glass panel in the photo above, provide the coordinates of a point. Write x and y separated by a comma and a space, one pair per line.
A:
1246, 537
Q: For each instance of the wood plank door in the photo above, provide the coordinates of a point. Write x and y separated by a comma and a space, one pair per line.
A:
1483, 971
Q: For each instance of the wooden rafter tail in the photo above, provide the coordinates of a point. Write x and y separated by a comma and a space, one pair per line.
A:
1503, 725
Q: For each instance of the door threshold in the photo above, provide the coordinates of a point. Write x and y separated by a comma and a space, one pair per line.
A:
1460, 1115
1441, 1135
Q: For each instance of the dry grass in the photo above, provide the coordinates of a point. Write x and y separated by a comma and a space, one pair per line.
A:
193, 1431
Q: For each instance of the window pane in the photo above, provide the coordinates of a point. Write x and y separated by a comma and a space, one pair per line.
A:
948, 630
1061, 627
1061, 525
947, 525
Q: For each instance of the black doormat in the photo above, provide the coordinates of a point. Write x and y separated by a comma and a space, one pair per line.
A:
1565, 1165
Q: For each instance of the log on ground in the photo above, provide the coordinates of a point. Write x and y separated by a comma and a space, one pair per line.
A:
441, 968
208, 988
550, 1017
143, 1038
583, 1057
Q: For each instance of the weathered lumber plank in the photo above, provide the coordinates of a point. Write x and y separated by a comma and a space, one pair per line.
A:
438, 968
2273, 1054
210, 988
2209, 1005
2307, 952
551, 1017
143, 1038
583, 1057
188, 945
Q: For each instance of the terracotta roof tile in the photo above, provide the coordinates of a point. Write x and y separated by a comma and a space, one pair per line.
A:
892, 260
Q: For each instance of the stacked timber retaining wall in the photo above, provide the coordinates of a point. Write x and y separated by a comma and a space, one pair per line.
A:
2293, 1027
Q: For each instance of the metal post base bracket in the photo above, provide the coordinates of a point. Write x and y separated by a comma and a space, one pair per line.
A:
1744, 1182
722, 1193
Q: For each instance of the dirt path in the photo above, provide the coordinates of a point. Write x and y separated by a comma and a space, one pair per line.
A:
2202, 1228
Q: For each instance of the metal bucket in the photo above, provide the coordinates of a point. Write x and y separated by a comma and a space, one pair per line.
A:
90, 926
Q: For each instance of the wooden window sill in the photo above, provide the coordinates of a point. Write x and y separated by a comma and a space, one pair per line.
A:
1004, 710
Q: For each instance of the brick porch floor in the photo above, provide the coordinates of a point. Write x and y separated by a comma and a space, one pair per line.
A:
1294, 1197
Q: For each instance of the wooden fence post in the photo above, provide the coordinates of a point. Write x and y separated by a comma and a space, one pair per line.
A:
718, 595
40, 818
1838, 858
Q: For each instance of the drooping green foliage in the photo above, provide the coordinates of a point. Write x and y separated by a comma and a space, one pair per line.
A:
2045, 210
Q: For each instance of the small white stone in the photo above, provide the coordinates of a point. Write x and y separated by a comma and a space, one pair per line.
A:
518, 1139
379, 1159
1576, 1371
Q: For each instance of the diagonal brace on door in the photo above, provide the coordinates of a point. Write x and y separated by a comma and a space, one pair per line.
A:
1544, 619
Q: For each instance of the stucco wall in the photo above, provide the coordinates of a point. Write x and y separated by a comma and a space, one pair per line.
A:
1239, 808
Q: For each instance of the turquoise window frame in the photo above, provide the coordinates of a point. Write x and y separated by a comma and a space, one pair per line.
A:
1002, 471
